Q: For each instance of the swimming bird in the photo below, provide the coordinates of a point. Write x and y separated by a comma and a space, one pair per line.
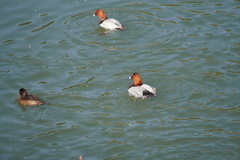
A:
28, 100
107, 23
140, 90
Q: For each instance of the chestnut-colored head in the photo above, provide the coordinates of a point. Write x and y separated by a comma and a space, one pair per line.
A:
101, 14
137, 81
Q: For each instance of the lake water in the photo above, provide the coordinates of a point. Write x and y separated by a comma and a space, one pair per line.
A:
188, 50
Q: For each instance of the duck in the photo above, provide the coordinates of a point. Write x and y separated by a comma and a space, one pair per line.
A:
28, 100
140, 90
107, 23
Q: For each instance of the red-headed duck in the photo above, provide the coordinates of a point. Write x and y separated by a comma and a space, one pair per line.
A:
28, 100
107, 23
140, 90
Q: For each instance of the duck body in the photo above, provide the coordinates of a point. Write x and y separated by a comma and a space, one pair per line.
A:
111, 24
28, 100
107, 23
143, 91
139, 90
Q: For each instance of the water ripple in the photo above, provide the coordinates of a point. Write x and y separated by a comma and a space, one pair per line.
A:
77, 85
43, 26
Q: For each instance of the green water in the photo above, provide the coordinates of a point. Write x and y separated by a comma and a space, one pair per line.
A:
188, 50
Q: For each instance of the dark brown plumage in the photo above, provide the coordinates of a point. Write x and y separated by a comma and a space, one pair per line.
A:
28, 100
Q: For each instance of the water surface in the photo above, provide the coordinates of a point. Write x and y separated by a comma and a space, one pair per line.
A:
188, 50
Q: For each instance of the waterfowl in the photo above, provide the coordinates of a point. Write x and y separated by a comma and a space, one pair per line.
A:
140, 90
107, 23
28, 100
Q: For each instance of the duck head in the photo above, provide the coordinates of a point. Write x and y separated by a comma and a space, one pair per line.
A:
137, 81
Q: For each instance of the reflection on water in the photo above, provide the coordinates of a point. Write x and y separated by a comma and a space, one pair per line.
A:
188, 50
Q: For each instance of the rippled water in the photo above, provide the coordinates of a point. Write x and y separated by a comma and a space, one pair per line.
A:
188, 50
